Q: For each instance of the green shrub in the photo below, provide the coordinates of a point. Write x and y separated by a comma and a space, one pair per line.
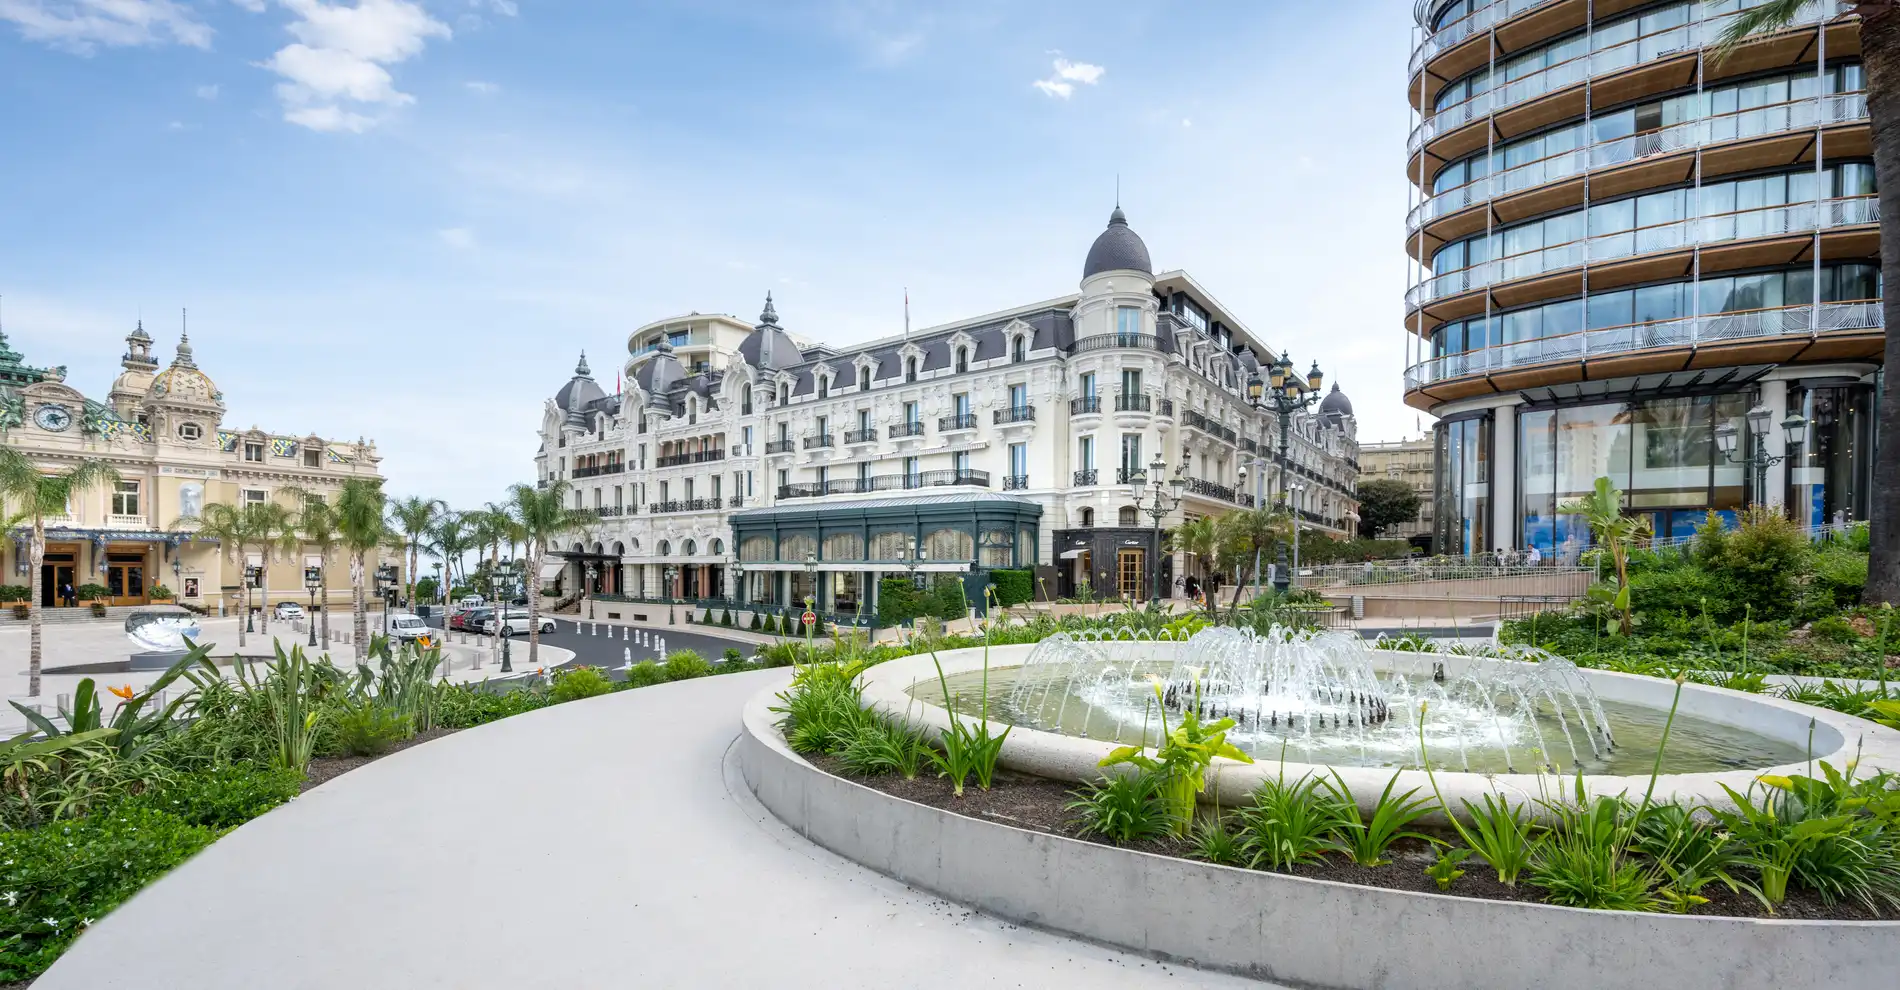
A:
897, 601
369, 729
881, 747
732, 655
755, 622
1834, 629
224, 796
645, 674
725, 618
61, 878
822, 710
685, 664
1840, 573
1683, 588
459, 706
88, 592
1013, 587
946, 598
578, 683
15, 593
1124, 808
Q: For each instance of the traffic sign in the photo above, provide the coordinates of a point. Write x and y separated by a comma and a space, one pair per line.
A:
810, 618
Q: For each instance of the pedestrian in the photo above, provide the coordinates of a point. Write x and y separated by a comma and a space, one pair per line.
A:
1532, 556
1193, 589
67, 596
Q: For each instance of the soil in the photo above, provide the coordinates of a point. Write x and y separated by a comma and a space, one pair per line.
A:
1040, 805
327, 768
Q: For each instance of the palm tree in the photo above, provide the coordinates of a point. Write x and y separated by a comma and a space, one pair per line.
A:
34, 496
266, 528
544, 517
317, 527
1248, 536
1879, 45
1198, 538
410, 520
360, 525
450, 538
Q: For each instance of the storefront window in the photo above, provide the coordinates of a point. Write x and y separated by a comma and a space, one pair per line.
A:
1465, 467
1829, 475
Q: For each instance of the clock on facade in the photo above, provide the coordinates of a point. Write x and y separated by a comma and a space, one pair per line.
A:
53, 418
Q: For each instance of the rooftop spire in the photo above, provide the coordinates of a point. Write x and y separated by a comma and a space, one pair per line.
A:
768, 318
581, 370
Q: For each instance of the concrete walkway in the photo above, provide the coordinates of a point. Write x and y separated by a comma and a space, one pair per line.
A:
634, 857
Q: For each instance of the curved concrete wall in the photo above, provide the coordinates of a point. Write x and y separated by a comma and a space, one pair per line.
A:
1837, 738
1310, 933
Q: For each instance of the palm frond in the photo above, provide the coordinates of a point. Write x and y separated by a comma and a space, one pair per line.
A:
1772, 16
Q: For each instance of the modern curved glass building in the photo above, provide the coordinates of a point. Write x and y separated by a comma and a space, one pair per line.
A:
1624, 245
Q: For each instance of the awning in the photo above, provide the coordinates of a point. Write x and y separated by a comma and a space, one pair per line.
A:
1072, 554
551, 569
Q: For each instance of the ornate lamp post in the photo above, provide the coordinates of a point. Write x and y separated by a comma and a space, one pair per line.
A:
1794, 430
502, 583
593, 571
1285, 396
737, 570
811, 574
441, 593
1161, 501
312, 579
386, 590
672, 573
250, 581
178, 569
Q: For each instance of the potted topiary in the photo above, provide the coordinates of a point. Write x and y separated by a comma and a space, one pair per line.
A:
160, 593
91, 594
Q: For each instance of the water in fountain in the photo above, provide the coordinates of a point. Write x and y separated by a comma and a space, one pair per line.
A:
1320, 698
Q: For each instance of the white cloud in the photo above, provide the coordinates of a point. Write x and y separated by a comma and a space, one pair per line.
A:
254, 6
484, 88
341, 56
1061, 84
208, 92
506, 8
83, 25
459, 238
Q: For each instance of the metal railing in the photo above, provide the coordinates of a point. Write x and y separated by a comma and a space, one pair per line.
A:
1127, 476
1681, 39
820, 440
1014, 414
735, 502
781, 446
1686, 332
609, 511
1767, 221
1776, 118
960, 421
1209, 427
1086, 477
1115, 341
1015, 482
1167, 407
903, 430
1490, 580
683, 505
695, 457
1454, 32
1085, 406
1134, 403
598, 470
867, 435
1208, 489
885, 483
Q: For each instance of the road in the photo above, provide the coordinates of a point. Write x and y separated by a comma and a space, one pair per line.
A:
608, 648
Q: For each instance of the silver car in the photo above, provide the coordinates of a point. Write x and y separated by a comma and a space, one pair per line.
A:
513, 620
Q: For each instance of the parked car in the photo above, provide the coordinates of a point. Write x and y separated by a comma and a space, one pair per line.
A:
511, 621
409, 627
471, 620
467, 602
285, 611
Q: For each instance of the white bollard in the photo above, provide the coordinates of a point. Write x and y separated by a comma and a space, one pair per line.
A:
626, 654
593, 629
577, 627
626, 633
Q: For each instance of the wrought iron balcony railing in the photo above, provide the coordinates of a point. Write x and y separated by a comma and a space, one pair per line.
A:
695, 457
1015, 414
1127, 476
1086, 477
902, 430
683, 505
1015, 482
598, 470
860, 436
819, 441
781, 446
1086, 405
885, 483
960, 421
1134, 403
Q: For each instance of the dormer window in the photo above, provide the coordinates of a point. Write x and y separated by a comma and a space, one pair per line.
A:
784, 395
254, 450
824, 386
963, 359
312, 457
1019, 349
864, 379
910, 369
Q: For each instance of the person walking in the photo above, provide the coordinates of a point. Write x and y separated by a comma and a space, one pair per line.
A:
67, 596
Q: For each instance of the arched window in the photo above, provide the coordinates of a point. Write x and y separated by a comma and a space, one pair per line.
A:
795, 547
718, 546
864, 379
963, 359
824, 386
691, 549
784, 394
910, 369
1088, 518
666, 548
1128, 516
745, 402
579, 549
950, 544
756, 548
844, 546
1019, 348
890, 545
599, 550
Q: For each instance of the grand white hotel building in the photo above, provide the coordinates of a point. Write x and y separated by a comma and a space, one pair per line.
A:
1009, 439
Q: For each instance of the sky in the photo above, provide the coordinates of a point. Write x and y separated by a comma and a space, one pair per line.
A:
405, 219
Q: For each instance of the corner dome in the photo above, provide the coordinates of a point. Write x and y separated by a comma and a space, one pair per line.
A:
1335, 404
580, 391
1118, 248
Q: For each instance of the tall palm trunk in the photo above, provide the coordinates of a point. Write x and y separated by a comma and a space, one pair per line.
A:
534, 602
245, 601
359, 607
1880, 54
323, 584
263, 584
36, 629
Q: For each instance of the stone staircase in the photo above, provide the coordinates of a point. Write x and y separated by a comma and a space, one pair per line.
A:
115, 614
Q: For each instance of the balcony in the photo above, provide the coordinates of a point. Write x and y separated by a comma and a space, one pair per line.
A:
1014, 414
1134, 403
1681, 40
781, 447
696, 457
1680, 235
119, 521
598, 470
1209, 427
1208, 489
820, 441
1118, 341
1015, 482
886, 483
1249, 445
961, 421
684, 505
902, 430
1086, 477
1087, 405
866, 435
736, 502
607, 511
1798, 328
1127, 476
1453, 32
1167, 408
1741, 125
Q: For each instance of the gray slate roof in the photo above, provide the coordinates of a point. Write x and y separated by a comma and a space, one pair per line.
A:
1117, 248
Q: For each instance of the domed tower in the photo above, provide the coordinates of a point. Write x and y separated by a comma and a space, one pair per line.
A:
1118, 283
140, 367
770, 347
577, 395
182, 403
1335, 408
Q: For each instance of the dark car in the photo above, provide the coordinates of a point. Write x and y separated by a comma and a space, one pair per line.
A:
471, 620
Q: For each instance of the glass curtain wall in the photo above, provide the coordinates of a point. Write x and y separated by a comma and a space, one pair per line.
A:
1464, 470
1829, 476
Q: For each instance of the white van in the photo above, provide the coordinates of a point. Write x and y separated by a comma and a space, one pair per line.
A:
407, 627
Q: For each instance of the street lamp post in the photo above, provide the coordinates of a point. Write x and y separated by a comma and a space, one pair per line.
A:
312, 577
1756, 455
384, 581
593, 571
811, 575
1286, 396
250, 581
672, 574
1160, 503
502, 583
178, 570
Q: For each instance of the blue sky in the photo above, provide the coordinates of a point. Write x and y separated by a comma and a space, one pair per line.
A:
403, 220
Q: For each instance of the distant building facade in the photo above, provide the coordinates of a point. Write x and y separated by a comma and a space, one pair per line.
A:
1010, 439
1411, 462
164, 431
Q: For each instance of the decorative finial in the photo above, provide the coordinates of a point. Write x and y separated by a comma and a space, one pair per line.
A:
183, 360
770, 316
580, 370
